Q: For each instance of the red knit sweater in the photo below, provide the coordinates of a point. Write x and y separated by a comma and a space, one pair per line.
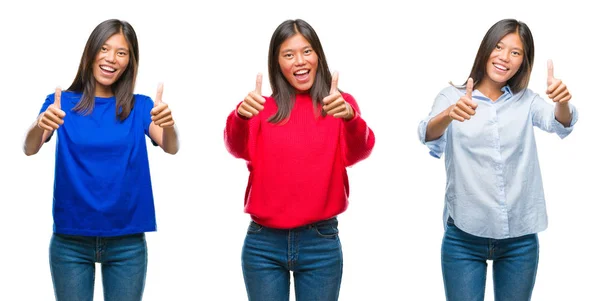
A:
298, 168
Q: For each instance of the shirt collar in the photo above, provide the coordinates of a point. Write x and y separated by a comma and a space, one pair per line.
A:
506, 93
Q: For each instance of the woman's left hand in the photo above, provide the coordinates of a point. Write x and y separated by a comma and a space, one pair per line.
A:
334, 104
557, 91
161, 114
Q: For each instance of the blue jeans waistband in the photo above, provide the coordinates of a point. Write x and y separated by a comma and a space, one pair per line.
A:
330, 221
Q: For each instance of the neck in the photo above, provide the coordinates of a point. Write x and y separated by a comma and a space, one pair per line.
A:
491, 90
103, 91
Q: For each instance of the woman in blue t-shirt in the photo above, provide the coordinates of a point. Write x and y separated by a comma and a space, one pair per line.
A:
103, 199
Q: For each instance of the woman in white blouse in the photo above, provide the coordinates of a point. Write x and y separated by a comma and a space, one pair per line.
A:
494, 203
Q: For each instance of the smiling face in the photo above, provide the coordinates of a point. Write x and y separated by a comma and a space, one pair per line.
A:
504, 62
298, 62
110, 63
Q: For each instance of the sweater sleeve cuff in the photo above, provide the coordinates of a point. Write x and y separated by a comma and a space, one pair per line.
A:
356, 114
356, 125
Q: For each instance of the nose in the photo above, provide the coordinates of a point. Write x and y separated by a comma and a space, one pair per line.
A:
110, 57
504, 55
299, 60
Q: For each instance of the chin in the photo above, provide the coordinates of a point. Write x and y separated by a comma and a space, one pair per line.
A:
305, 88
106, 83
499, 79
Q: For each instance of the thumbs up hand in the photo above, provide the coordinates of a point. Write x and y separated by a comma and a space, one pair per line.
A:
53, 117
254, 102
557, 91
161, 114
334, 104
465, 107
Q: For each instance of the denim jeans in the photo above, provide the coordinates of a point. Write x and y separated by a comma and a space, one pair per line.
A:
123, 258
312, 252
464, 265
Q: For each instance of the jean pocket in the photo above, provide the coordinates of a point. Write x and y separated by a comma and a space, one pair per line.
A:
329, 230
254, 227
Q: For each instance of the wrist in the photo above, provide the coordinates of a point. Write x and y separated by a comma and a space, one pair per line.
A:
447, 112
169, 129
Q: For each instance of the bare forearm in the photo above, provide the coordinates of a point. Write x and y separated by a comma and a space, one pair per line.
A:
34, 139
170, 140
438, 125
562, 113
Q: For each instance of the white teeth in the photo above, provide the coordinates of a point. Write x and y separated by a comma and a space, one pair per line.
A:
301, 72
501, 67
106, 68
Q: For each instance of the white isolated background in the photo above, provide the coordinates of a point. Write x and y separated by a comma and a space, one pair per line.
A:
394, 58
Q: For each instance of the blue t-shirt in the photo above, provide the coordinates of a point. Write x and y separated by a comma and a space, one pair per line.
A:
102, 181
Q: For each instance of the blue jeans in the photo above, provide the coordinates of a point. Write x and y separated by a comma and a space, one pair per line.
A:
72, 264
312, 252
464, 265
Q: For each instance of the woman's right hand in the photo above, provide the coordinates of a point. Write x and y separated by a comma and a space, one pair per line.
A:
465, 107
53, 117
253, 103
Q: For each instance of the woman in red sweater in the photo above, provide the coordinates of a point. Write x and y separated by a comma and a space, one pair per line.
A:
297, 144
